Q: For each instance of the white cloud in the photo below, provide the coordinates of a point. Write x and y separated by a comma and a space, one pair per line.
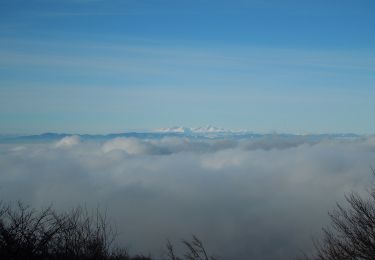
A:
128, 145
68, 141
258, 199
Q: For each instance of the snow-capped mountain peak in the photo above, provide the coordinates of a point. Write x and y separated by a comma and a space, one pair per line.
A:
208, 129
174, 129
186, 130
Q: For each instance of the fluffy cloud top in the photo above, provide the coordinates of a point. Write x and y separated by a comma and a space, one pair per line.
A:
247, 199
68, 141
129, 145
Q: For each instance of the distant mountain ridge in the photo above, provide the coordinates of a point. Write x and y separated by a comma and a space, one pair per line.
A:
207, 132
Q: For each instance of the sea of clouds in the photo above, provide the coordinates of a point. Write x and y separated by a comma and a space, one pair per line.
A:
246, 199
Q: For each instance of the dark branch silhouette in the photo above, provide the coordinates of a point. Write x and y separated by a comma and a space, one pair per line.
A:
28, 234
195, 250
351, 235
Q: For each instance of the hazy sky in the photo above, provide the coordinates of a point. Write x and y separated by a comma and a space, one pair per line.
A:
91, 66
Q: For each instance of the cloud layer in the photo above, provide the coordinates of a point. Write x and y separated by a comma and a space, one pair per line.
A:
246, 199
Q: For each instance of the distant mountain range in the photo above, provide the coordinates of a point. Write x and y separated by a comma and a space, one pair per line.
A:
207, 132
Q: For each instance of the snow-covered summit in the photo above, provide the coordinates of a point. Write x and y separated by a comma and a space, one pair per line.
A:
174, 129
193, 130
209, 129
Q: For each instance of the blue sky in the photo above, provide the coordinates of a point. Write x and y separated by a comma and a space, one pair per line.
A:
99, 66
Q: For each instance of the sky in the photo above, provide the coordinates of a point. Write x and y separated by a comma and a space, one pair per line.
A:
109, 66
102, 66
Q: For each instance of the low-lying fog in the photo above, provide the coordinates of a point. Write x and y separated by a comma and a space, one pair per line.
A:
246, 199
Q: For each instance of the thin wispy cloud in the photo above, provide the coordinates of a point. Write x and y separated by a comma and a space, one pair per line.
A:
172, 60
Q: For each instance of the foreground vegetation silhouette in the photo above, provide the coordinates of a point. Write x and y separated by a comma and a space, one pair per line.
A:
351, 235
28, 234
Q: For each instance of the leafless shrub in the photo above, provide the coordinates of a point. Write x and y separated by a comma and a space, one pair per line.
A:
170, 252
29, 234
351, 235
195, 251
